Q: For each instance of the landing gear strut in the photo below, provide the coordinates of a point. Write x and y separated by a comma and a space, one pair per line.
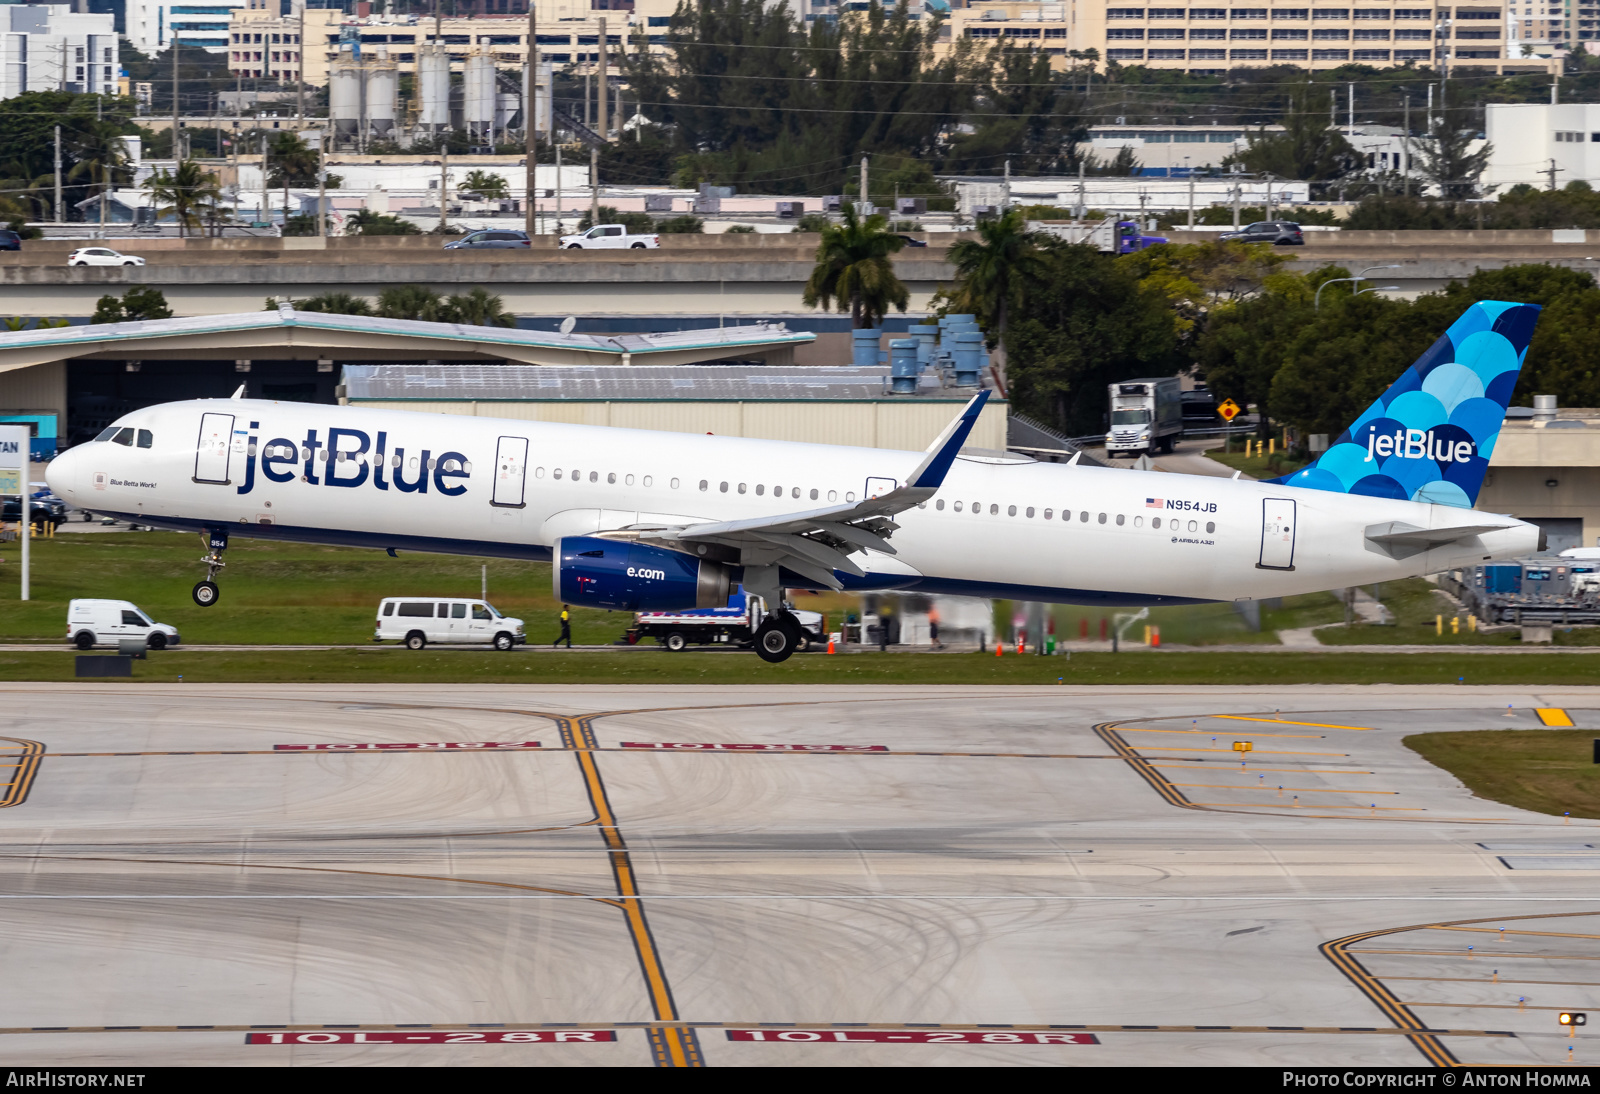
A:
205, 592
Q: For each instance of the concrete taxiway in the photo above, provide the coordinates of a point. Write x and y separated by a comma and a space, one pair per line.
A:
682, 876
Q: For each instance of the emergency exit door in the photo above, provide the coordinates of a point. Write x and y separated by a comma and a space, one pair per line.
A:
1277, 534
211, 450
510, 473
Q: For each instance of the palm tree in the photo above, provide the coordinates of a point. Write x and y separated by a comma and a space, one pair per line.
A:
182, 192
478, 308
853, 268
410, 302
99, 155
335, 303
993, 270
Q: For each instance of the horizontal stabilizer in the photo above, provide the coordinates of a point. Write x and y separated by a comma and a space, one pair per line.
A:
1401, 540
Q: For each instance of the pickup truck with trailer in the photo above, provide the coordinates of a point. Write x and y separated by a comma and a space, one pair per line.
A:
733, 625
610, 236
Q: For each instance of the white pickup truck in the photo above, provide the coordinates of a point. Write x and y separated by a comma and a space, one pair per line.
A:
610, 235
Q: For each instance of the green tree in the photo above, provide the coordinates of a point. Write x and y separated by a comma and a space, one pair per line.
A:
184, 193
633, 223
300, 224
740, 230
853, 270
416, 302
684, 225
328, 303
1086, 323
136, 304
994, 271
291, 162
1309, 147
478, 308
485, 184
364, 222
99, 156
1203, 279
1445, 156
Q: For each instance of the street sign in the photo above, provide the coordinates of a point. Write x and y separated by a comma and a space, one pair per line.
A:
1243, 746
1229, 410
15, 445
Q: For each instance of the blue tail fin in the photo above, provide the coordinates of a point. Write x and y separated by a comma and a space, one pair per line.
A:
1430, 436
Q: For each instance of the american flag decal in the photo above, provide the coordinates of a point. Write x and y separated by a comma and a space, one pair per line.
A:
1155, 503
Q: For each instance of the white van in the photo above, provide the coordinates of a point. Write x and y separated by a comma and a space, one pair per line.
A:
93, 623
416, 621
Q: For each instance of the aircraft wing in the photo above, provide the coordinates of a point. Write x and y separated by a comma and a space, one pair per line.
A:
816, 542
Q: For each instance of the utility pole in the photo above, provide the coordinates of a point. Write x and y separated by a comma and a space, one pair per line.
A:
176, 154
1005, 200
322, 182
1555, 88
1352, 109
603, 85
601, 78
558, 181
1236, 188
1405, 150
864, 190
444, 184
58, 175
1191, 199
266, 217
1551, 171
300, 73
1082, 208
530, 118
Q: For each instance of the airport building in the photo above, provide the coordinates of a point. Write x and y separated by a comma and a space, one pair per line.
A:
1532, 140
828, 405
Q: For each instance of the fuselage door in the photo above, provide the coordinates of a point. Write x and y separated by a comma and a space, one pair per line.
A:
211, 450
510, 472
1277, 534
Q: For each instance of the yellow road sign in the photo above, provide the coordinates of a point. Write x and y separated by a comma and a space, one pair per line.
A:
1229, 410
1243, 746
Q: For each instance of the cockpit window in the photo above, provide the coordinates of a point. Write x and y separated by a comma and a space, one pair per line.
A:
107, 433
146, 438
124, 436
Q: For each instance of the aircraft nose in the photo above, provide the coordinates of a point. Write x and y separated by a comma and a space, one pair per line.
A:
65, 472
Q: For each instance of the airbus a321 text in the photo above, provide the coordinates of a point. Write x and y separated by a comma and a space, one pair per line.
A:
650, 521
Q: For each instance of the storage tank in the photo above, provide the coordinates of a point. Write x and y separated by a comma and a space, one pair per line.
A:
344, 98
383, 97
433, 89
478, 94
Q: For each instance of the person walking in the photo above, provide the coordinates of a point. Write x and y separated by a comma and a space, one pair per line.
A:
566, 629
933, 626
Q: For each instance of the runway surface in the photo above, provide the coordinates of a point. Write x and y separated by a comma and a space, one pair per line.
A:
681, 876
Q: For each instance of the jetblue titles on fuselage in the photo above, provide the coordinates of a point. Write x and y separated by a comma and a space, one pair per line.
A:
344, 456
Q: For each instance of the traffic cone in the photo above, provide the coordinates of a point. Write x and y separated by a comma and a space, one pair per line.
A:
830, 643
999, 648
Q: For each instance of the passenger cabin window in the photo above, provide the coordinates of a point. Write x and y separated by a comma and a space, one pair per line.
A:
388, 609
458, 611
417, 609
444, 611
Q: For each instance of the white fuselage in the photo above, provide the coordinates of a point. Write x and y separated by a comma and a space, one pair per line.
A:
1031, 531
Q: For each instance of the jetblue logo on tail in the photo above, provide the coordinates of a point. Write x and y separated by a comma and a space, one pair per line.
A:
1430, 436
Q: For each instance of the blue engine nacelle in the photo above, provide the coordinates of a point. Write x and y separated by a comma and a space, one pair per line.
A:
633, 577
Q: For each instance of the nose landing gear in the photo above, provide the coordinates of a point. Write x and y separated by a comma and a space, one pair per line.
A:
205, 592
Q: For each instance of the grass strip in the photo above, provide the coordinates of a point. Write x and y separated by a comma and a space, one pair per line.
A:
653, 666
1544, 770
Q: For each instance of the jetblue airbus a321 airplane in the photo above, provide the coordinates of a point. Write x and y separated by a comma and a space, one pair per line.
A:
647, 521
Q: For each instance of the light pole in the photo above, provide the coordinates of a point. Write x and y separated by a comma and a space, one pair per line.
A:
1316, 301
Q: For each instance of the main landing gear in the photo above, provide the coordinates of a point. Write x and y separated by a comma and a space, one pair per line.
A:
205, 592
778, 637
